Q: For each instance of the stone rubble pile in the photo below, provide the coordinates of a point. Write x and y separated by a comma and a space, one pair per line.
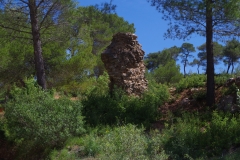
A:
123, 60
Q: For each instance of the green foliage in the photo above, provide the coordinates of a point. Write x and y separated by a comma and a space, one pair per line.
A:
78, 147
120, 108
230, 90
231, 53
199, 95
221, 79
16, 62
125, 142
100, 26
87, 85
94, 27
217, 52
192, 81
63, 155
153, 60
196, 62
169, 73
231, 156
185, 51
185, 17
238, 97
71, 47
192, 136
33, 115
195, 137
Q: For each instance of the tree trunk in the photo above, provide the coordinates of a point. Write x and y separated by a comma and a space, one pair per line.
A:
210, 59
185, 64
229, 64
39, 63
232, 67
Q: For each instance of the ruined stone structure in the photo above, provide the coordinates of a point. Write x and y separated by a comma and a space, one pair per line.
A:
123, 60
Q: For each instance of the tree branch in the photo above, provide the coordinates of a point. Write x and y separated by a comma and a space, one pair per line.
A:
14, 36
7, 27
24, 2
48, 12
40, 3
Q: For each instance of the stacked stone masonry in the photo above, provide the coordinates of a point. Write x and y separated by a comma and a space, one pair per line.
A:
123, 60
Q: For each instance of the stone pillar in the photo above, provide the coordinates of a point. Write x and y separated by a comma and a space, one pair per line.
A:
123, 60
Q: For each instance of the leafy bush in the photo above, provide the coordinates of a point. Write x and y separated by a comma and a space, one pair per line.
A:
192, 81
125, 142
222, 79
120, 108
194, 138
34, 115
62, 155
199, 95
229, 90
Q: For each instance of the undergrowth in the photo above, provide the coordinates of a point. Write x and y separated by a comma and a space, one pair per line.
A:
36, 121
192, 136
116, 126
118, 108
193, 81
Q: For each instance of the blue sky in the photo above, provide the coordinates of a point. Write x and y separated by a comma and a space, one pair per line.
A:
149, 26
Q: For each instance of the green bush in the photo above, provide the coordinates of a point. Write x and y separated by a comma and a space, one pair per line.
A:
222, 79
192, 136
33, 115
230, 90
199, 95
196, 137
62, 155
125, 142
119, 108
88, 145
192, 81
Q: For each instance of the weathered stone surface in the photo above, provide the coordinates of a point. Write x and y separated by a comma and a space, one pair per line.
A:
123, 60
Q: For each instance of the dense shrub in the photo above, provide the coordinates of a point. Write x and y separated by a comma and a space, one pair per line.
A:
33, 115
194, 137
125, 142
120, 108
222, 79
199, 95
191, 82
197, 80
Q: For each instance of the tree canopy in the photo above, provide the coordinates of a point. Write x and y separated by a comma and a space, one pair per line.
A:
72, 38
153, 60
35, 21
231, 53
206, 18
185, 52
